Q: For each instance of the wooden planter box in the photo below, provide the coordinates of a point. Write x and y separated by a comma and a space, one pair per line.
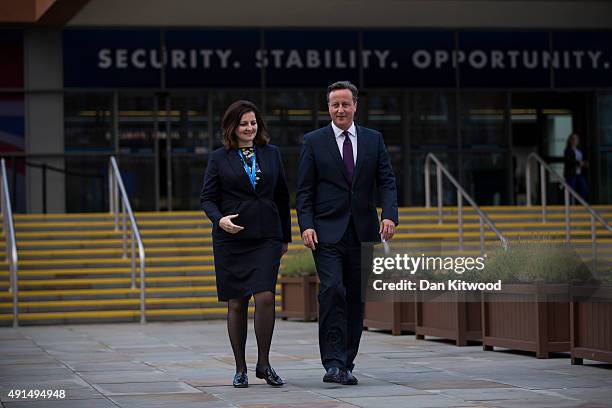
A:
449, 316
394, 316
591, 324
528, 317
299, 297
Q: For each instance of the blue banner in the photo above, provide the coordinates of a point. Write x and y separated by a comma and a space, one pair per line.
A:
211, 58
503, 59
411, 59
582, 59
113, 58
314, 58
309, 58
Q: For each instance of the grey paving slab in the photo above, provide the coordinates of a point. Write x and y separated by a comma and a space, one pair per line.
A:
90, 403
135, 388
254, 395
188, 364
109, 366
109, 377
71, 393
200, 400
500, 394
408, 401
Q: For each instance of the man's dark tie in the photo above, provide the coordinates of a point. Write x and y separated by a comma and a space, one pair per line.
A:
347, 155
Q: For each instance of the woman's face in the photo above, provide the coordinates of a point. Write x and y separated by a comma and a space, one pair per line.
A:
247, 129
575, 140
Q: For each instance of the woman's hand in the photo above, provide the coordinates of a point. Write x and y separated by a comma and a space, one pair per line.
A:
228, 226
284, 248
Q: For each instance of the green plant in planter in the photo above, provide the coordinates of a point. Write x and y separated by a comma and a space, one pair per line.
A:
298, 263
525, 261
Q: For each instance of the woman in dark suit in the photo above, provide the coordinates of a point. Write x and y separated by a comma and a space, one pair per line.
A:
575, 166
245, 196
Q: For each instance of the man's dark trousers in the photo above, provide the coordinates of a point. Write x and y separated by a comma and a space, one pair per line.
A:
340, 306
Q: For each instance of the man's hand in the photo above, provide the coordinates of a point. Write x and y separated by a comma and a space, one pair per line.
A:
387, 229
284, 248
228, 226
309, 237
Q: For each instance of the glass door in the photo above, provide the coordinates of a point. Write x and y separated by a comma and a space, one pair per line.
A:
137, 144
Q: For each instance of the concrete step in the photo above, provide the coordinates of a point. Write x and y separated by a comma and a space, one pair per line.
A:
84, 317
116, 293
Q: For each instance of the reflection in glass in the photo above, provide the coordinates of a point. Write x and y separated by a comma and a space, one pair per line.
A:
605, 130
606, 178
605, 118
86, 184
137, 174
188, 174
289, 116
449, 197
482, 118
188, 120
384, 114
432, 120
485, 177
88, 122
137, 117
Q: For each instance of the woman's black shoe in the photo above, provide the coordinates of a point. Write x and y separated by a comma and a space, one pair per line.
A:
270, 376
240, 380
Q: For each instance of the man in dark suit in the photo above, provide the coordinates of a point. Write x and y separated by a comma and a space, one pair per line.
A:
341, 166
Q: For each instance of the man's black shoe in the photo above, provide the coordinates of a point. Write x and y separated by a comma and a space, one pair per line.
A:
348, 378
333, 375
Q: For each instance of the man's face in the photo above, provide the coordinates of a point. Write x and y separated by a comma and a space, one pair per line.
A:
342, 108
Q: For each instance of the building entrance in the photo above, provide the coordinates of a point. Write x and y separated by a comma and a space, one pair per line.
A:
541, 123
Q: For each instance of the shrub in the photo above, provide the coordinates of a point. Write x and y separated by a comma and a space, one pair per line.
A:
298, 263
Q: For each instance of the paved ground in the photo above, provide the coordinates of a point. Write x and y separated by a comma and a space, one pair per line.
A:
190, 365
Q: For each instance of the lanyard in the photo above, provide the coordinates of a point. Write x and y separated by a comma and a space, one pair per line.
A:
250, 172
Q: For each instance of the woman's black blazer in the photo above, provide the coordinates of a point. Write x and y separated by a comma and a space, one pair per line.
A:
263, 212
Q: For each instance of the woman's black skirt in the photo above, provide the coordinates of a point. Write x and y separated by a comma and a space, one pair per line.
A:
245, 267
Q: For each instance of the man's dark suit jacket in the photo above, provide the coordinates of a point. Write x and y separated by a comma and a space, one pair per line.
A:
325, 200
263, 212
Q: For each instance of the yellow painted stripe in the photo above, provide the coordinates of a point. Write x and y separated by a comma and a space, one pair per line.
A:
150, 269
119, 251
111, 251
145, 223
126, 261
122, 313
111, 241
100, 281
97, 233
119, 302
112, 291
112, 302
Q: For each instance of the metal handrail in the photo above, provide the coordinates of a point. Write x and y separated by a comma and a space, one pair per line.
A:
115, 186
461, 193
568, 190
11, 246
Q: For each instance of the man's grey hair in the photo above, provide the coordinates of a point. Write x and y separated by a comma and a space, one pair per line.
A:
343, 85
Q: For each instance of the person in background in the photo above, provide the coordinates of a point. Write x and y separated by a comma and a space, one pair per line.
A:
245, 195
575, 166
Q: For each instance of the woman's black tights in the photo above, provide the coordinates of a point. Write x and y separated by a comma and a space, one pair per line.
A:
237, 318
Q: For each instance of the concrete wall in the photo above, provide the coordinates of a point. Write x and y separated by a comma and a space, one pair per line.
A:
348, 13
44, 112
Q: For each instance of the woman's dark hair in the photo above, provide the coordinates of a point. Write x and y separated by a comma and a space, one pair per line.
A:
568, 142
231, 121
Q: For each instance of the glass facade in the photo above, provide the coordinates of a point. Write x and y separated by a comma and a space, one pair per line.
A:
483, 137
